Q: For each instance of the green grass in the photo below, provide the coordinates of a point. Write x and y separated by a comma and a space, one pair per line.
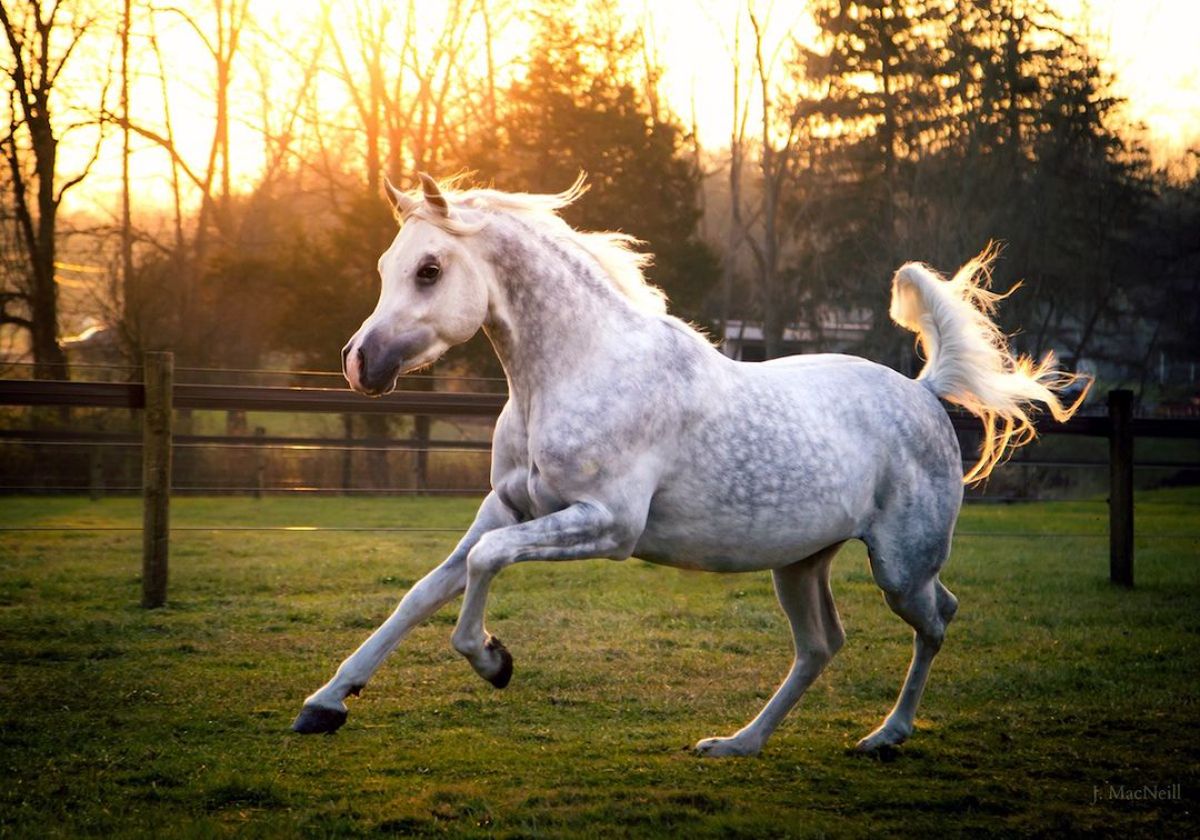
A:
174, 722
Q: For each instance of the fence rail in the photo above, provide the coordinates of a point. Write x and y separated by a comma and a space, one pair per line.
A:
157, 440
124, 439
37, 392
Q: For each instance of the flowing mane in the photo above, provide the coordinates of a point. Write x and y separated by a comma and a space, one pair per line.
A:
615, 252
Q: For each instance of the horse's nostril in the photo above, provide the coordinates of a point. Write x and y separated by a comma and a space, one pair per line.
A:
362, 363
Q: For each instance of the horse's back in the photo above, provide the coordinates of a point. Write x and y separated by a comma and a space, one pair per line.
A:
845, 399
810, 361
873, 420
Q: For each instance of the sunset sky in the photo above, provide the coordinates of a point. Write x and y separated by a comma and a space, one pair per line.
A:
1150, 45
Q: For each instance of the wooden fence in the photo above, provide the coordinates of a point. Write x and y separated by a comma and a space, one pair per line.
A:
158, 397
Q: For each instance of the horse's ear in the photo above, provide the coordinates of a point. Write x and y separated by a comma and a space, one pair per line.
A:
433, 195
401, 203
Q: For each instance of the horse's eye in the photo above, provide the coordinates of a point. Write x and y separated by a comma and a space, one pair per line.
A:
428, 274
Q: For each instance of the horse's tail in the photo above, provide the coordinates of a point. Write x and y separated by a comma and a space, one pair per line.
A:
969, 361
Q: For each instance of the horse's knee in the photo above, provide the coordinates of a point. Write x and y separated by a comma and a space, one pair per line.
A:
922, 609
485, 558
947, 604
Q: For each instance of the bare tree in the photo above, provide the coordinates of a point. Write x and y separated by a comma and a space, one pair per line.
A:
763, 229
370, 96
126, 202
221, 41
736, 232
286, 74
135, 304
40, 43
415, 94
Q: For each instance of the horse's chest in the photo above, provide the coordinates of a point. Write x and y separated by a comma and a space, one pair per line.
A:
567, 461
527, 492
543, 498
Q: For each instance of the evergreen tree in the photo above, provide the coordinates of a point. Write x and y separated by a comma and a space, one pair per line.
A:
581, 106
936, 127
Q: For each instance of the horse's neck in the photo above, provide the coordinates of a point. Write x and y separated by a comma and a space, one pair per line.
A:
554, 309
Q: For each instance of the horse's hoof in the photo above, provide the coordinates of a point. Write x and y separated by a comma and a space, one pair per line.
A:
313, 720
882, 742
500, 678
725, 748
884, 753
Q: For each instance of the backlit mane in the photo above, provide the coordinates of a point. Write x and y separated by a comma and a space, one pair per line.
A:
615, 252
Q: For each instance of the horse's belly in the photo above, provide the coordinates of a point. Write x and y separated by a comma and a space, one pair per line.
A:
771, 538
797, 459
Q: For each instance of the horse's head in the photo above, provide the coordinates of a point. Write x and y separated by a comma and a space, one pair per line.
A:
433, 294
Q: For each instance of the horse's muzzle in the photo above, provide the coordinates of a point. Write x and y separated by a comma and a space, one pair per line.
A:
374, 365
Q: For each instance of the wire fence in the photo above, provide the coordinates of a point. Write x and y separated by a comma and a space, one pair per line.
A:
252, 462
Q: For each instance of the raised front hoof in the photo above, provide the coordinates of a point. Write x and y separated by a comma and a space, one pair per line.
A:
882, 743
316, 720
725, 747
502, 677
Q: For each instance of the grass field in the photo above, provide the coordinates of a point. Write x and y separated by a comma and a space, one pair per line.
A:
1053, 689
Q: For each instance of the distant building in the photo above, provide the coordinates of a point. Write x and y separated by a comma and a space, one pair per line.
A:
97, 344
837, 331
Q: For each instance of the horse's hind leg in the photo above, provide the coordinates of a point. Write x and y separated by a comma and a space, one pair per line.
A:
928, 606
804, 593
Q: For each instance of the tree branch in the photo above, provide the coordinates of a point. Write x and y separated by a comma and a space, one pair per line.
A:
24, 214
192, 23
18, 74
156, 138
52, 75
95, 152
8, 318
83, 173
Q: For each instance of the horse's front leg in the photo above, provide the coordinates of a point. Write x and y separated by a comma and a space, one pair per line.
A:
325, 709
583, 530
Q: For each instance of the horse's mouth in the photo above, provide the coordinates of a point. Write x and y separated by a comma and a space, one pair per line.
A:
403, 369
379, 392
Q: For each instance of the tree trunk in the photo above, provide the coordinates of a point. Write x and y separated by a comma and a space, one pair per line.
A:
126, 210
49, 360
774, 321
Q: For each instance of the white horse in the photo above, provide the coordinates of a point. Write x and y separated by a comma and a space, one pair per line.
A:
627, 434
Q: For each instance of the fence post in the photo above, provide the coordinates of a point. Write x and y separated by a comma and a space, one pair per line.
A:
347, 453
260, 461
95, 474
157, 376
1120, 490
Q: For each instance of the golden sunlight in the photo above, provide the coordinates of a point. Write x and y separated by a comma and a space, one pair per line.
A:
1147, 46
